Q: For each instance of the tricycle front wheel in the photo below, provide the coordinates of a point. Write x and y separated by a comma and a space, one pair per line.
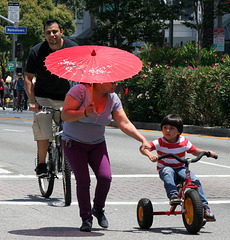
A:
145, 213
193, 211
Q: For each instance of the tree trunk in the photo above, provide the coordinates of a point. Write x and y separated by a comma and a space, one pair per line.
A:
208, 24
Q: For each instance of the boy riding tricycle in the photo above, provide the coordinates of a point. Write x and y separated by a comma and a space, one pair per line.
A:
182, 186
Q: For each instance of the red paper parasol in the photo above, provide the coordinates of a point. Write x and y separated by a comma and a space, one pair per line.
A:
93, 64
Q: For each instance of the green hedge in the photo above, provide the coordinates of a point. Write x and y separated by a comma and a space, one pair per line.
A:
198, 91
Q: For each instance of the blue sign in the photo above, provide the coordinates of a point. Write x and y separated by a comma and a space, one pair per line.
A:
15, 30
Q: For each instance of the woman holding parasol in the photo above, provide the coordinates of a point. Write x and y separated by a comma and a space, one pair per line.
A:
87, 109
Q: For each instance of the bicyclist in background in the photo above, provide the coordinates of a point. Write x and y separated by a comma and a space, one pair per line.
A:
20, 88
170, 170
49, 90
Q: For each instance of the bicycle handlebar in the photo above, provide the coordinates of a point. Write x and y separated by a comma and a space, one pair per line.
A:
208, 154
49, 108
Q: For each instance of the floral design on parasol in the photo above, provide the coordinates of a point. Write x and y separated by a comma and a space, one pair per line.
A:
93, 64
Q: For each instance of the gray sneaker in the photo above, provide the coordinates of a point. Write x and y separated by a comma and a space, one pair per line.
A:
86, 226
102, 220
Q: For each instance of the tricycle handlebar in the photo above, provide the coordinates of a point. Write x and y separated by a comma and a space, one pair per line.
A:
208, 154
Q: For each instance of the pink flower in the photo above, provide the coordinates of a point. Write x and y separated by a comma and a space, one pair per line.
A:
216, 86
190, 67
144, 76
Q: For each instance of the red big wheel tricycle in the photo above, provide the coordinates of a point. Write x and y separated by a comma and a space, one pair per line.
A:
191, 206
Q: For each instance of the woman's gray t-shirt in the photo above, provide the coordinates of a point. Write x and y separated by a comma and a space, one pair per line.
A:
90, 129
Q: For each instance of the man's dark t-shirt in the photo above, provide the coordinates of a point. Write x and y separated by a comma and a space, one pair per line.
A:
47, 85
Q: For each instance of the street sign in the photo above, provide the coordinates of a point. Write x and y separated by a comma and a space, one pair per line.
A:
13, 11
218, 39
10, 66
15, 30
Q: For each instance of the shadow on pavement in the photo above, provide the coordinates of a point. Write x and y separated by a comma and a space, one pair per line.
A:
55, 232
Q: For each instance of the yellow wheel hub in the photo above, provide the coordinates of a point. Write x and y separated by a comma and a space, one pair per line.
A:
189, 214
140, 213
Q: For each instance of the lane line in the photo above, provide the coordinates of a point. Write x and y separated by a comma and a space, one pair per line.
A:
21, 176
60, 203
145, 130
214, 164
4, 171
12, 130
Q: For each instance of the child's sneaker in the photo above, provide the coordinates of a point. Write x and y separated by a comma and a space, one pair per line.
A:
175, 200
208, 215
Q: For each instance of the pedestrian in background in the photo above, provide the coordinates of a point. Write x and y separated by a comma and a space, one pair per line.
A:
49, 90
2, 91
13, 88
7, 93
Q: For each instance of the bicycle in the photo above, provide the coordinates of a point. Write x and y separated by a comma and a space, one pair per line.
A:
56, 161
191, 205
21, 105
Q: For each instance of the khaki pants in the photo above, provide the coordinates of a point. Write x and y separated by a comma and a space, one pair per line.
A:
42, 125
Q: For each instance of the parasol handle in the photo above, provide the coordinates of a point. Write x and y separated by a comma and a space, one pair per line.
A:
91, 92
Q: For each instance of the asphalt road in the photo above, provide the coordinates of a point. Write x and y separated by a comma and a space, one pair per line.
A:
26, 215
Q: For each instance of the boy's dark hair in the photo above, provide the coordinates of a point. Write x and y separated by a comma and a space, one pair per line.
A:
173, 120
51, 22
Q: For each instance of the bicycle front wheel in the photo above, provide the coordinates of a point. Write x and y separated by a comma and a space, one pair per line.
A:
66, 178
46, 184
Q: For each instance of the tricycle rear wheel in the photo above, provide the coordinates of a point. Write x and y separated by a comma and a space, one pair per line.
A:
145, 213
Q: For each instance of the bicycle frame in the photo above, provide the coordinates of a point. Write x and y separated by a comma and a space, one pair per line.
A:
56, 161
56, 141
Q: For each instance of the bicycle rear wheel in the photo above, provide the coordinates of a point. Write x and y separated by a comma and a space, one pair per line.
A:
46, 184
66, 178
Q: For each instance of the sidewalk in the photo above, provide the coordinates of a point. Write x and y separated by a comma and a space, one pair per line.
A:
209, 131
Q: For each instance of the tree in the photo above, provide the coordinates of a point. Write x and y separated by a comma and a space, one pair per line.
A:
76, 6
121, 23
33, 14
204, 23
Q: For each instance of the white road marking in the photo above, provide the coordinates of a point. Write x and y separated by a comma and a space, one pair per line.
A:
214, 164
21, 176
4, 171
12, 130
59, 203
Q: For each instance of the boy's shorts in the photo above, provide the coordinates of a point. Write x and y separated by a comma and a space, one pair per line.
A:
42, 125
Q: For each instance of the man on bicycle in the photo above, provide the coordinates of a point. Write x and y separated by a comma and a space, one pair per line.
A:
49, 90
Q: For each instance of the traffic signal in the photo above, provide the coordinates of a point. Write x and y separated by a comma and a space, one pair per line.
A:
18, 49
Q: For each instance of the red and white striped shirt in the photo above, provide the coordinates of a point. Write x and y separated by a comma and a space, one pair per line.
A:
180, 147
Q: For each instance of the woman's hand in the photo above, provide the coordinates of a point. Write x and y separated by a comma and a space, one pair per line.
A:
89, 109
145, 145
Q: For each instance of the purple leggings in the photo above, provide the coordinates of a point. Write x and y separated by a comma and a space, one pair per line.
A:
79, 155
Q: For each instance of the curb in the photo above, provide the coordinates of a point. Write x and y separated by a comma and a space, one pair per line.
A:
191, 129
